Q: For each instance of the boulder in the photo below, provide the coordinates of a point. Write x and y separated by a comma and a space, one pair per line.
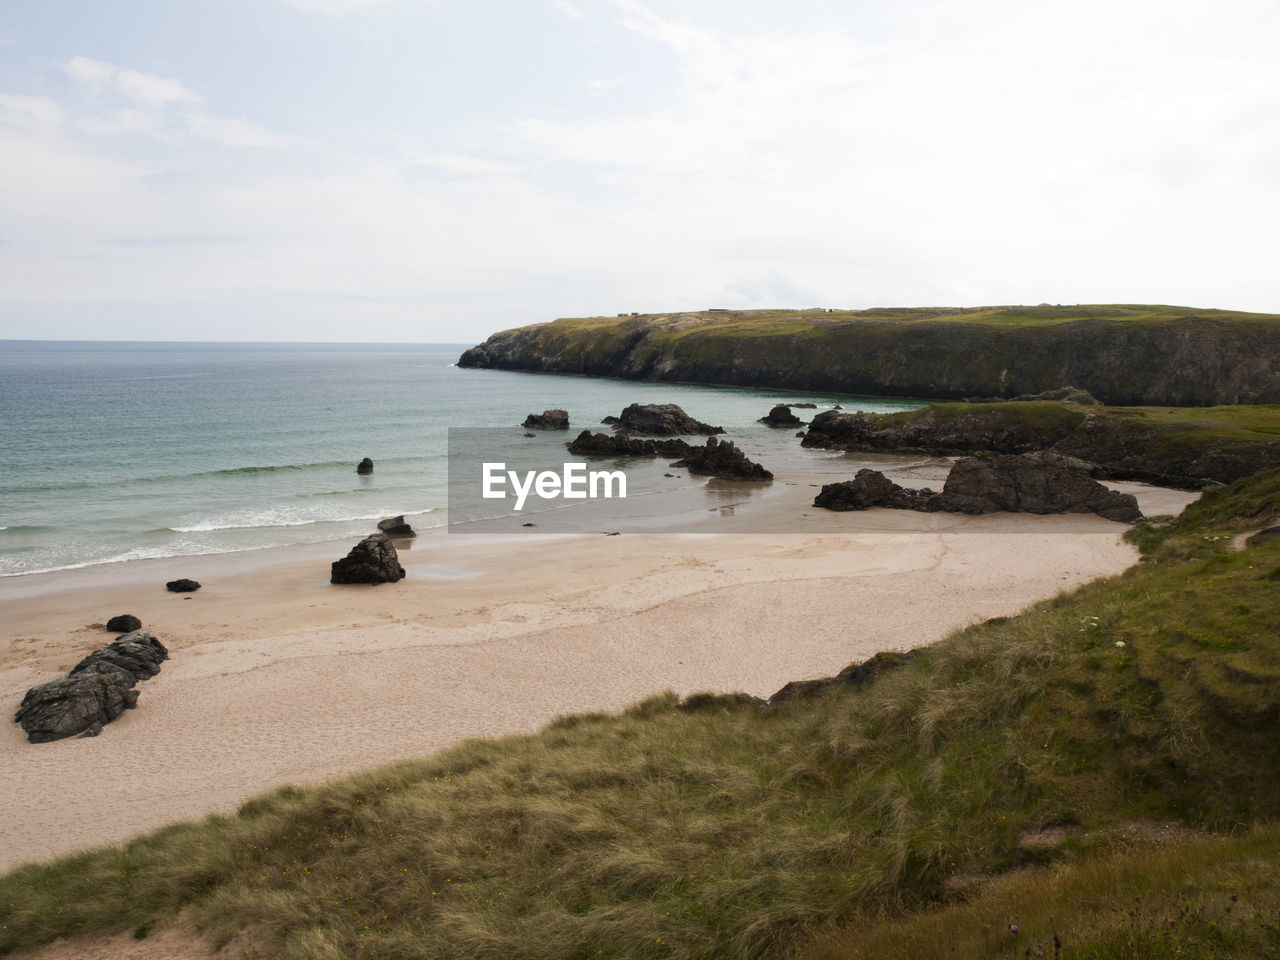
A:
724, 460
364, 466
603, 445
547, 420
75, 704
138, 654
125, 623
661, 420
781, 416
372, 560
396, 527
871, 488
182, 586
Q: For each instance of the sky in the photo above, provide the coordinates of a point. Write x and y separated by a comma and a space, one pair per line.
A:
437, 170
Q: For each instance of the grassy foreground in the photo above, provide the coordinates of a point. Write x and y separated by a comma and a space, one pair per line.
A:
861, 824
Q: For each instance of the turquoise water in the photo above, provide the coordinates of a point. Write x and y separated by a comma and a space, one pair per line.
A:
119, 451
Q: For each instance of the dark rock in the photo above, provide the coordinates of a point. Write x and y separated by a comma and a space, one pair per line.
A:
609, 420
138, 654
724, 460
365, 466
125, 623
396, 527
72, 705
781, 416
661, 420
1043, 482
530, 434
601, 444
528, 524
803, 406
372, 560
182, 586
800, 434
547, 420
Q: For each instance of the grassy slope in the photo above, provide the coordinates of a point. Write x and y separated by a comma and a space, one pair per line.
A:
707, 829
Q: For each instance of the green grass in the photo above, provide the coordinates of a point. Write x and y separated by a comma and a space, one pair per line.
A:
708, 828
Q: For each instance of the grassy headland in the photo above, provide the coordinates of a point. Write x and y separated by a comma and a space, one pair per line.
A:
711, 827
1135, 354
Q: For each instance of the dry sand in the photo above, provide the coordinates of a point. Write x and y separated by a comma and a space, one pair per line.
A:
278, 677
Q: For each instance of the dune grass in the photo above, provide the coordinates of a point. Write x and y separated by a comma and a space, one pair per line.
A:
712, 828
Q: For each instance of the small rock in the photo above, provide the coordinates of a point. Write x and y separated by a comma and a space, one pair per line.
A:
547, 420
396, 527
125, 623
781, 416
182, 585
724, 460
365, 466
372, 560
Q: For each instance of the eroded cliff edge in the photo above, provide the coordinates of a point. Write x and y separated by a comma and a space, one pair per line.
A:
1123, 354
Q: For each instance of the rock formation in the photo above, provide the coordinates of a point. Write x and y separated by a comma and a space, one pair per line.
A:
125, 623
1041, 483
547, 420
396, 527
661, 420
138, 654
603, 445
781, 416
182, 585
724, 460
372, 560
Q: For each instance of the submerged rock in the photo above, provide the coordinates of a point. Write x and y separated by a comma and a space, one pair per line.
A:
125, 623
372, 560
724, 460
547, 420
661, 420
364, 466
781, 416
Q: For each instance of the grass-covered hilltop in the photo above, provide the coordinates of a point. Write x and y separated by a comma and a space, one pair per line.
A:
1096, 777
1122, 354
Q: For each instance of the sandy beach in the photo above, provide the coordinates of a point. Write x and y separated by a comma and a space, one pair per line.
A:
276, 676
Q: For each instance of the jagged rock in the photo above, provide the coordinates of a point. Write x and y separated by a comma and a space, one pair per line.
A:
724, 460
661, 420
396, 527
72, 705
781, 416
856, 675
547, 420
372, 560
125, 623
138, 654
364, 466
182, 585
1043, 482
601, 444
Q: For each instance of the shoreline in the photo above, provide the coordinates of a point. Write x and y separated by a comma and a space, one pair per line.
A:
277, 676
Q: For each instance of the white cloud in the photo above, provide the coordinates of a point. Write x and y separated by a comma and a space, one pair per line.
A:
231, 132
146, 89
31, 113
460, 163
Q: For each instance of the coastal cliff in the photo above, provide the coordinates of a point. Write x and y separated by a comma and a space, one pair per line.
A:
1125, 354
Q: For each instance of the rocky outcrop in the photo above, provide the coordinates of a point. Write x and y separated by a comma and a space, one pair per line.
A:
1040, 483
182, 585
372, 560
1171, 448
661, 420
720, 458
603, 445
396, 527
125, 623
1120, 354
98, 689
781, 416
364, 466
1061, 395
547, 420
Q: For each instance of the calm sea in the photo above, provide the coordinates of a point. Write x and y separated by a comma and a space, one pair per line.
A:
120, 451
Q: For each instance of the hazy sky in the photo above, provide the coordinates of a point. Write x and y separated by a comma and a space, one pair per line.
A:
435, 170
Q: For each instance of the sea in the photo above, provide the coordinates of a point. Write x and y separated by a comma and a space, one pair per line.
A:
119, 451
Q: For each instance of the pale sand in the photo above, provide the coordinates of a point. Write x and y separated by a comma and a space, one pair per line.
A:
278, 677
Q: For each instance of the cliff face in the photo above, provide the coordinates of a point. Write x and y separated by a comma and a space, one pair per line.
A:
1122, 355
